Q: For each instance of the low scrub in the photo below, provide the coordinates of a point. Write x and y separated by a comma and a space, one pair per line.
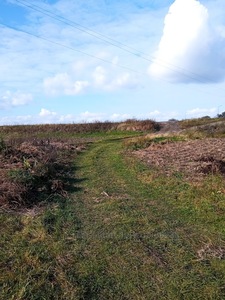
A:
34, 170
34, 130
197, 122
214, 130
82, 128
139, 125
146, 141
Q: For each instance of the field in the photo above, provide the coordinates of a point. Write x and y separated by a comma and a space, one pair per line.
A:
193, 159
131, 210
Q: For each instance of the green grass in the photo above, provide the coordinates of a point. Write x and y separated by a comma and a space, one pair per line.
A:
125, 233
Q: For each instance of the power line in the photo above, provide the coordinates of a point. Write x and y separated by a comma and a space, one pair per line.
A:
106, 39
113, 42
71, 48
81, 28
76, 50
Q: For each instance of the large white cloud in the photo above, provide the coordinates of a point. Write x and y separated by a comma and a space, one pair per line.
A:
191, 48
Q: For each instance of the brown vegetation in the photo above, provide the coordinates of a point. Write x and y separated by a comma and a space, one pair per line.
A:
32, 170
35, 165
137, 125
194, 158
82, 128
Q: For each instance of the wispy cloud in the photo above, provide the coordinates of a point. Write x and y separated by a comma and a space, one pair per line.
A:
46, 113
63, 84
200, 112
27, 61
83, 78
110, 79
11, 99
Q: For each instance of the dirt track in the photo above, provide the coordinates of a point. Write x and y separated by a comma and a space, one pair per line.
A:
195, 158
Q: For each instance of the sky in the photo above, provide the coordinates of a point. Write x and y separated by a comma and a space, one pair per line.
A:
65, 61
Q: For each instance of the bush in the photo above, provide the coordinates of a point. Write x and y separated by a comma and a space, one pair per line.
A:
222, 115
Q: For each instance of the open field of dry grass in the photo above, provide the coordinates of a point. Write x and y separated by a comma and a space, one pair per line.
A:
192, 158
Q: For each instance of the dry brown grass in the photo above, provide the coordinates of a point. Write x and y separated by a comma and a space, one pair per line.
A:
34, 169
192, 158
139, 125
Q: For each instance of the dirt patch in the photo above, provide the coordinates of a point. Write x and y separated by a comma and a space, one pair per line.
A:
209, 251
195, 158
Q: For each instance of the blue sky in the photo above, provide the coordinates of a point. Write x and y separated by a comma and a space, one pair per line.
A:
66, 61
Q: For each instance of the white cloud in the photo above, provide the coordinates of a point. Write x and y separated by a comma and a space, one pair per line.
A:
46, 113
45, 69
154, 113
68, 118
99, 76
63, 84
125, 80
119, 117
200, 112
16, 120
9, 99
91, 117
46, 116
191, 48
161, 116
83, 78
111, 79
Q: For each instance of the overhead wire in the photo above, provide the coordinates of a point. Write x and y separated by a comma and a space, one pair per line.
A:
82, 28
71, 48
106, 39
113, 42
78, 51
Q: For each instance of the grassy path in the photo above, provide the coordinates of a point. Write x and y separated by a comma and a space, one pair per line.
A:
138, 238
124, 234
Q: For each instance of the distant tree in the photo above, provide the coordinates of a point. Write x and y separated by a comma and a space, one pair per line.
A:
222, 115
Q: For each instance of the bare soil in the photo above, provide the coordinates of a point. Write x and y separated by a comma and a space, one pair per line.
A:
195, 158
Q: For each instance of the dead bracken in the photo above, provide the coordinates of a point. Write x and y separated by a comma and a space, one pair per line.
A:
33, 170
193, 158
